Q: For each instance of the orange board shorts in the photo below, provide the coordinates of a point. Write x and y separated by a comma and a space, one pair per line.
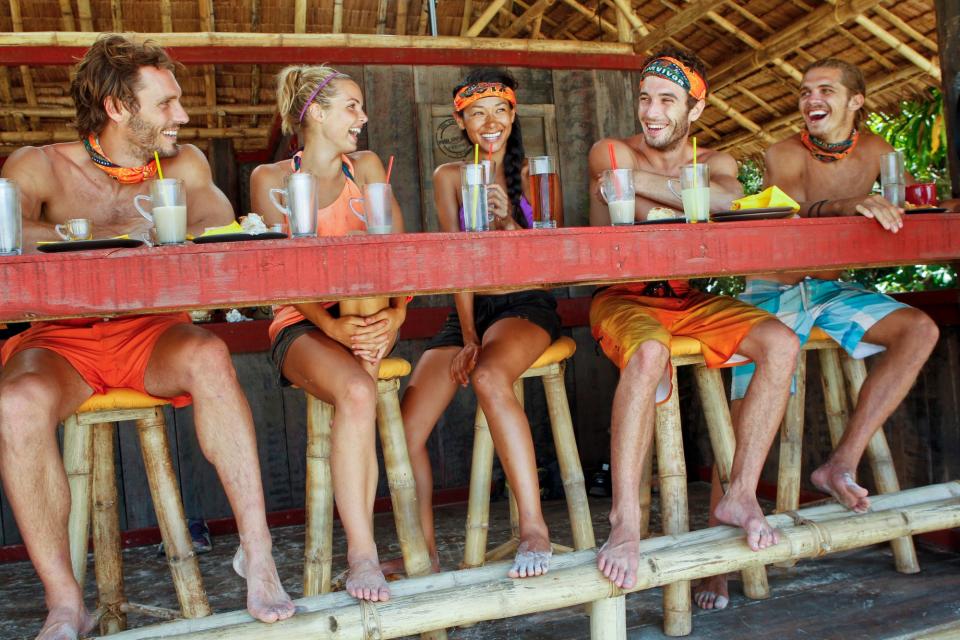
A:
108, 354
622, 318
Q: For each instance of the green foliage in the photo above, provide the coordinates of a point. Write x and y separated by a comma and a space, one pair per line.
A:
920, 277
750, 175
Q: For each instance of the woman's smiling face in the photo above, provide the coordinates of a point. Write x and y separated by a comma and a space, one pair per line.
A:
488, 122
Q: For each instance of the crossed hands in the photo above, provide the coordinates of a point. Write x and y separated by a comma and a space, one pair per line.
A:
368, 337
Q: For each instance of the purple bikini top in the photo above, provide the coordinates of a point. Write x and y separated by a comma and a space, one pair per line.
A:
525, 206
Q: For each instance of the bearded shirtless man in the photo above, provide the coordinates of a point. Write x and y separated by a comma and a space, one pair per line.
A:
128, 107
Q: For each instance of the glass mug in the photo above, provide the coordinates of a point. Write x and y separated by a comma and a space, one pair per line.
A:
377, 207
545, 190
694, 191
300, 192
168, 201
11, 224
616, 188
75, 229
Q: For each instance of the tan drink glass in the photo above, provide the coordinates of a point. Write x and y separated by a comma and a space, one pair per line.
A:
168, 200
545, 190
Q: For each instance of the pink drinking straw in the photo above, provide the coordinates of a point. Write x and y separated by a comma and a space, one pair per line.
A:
613, 165
389, 168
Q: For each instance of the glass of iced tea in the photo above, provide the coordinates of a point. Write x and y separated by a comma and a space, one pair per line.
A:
547, 201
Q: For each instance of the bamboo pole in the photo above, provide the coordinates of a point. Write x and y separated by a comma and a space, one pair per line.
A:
592, 15
519, 24
85, 15
338, 15
318, 544
63, 113
859, 44
881, 464
382, 17
26, 76
170, 517
623, 6
108, 563
47, 137
66, 16
740, 119
895, 20
116, 15
928, 66
791, 442
565, 443
402, 9
478, 505
77, 462
672, 471
646, 489
300, 16
690, 14
6, 97
464, 597
166, 16
466, 18
491, 11
624, 32
608, 619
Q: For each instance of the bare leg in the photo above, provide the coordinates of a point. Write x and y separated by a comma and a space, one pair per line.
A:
773, 347
38, 388
190, 359
427, 396
909, 336
326, 370
634, 407
510, 346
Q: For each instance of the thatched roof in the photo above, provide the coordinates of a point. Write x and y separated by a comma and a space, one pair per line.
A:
753, 48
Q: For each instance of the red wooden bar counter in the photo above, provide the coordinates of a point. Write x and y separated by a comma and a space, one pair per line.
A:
115, 282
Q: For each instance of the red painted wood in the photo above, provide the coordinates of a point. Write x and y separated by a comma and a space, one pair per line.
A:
57, 56
112, 282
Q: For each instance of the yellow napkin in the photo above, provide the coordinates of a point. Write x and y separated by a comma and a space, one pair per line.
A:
768, 198
233, 227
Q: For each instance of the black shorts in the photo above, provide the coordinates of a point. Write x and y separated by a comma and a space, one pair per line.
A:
280, 346
536, 306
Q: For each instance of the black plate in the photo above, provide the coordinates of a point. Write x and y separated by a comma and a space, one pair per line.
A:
85, 245
926, 210
238, 237
663, 221
768, 213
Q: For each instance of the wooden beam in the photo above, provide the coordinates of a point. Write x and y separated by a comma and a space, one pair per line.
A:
26, 75
592, 15
85, 15
403, 7
926, 65
209, 70
68, 113
70, 135
859, 44
6, 96
338, 15
623, 6
536, 10
424, 18
467, 17
382, 17
753, 43
760, 102
624, 32
752, 18
677, 23
489, 14
797, 35
558, 28
66, 16
255, 74
948, 35
895, 20
300, 16
738, 117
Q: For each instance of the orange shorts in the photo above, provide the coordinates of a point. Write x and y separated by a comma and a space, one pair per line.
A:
108, 354
621, 319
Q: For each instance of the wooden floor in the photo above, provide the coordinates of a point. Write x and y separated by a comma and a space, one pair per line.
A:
850, 596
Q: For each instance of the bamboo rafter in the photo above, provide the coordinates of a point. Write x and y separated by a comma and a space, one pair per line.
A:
676, 24
26, 75
535, 11
466, 17
558, 29
927, 65
255, 74
338, 15
300, 16
209, 71
623, 6
860, 45
485, 18
85, 15
69, 135
893, 19
116, 15
592, 15
166, 16
402, 8
382, 17
66, 16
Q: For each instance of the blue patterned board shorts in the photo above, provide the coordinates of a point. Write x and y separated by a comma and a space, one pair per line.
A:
843, 310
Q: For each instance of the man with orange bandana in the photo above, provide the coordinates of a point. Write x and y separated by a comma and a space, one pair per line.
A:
634, 323
128, 108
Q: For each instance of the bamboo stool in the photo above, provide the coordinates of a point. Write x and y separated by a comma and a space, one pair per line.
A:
672, 473
89, 461
835, 368
549, 367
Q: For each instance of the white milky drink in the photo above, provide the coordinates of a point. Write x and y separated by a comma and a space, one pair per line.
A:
622, 211
171, 224
696, 203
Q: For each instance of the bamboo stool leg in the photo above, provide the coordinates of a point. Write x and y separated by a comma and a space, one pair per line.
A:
608, 621
318, 545
478, 506
791, 447
646, 487
170, 516
509, 547
77, 460
833, 399
108, 563
881, 463
673, 499
723, 440
568, 458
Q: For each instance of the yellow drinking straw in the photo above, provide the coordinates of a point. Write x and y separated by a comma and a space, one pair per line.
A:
156, 156
476, 188
694, 162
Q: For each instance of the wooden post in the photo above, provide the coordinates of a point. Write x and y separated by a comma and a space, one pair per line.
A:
724, 444
646, 489
318, 545
508, 548
608, 620
77, 461
478, 506
948, 39
108, 562
833, 398
791, 443
565, 443
170, 516
881, 463
672, 470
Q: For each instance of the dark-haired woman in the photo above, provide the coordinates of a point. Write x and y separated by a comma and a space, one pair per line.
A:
490, 340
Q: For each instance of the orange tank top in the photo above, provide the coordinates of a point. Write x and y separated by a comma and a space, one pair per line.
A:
336, 219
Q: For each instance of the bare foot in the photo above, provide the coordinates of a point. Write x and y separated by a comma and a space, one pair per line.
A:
712, 593
365, 581
64, 623
266, 599
619, 556
839, 482
744, 511
532, 559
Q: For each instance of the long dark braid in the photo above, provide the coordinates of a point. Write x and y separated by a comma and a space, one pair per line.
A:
514, 155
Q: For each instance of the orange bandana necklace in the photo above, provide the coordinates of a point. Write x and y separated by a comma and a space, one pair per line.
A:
829, 151
123, 175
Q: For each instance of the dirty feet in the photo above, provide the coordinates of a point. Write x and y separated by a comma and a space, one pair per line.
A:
365, 581
532, 559
619, 556
64, 623
743, 510
266, 599
839, 482
712, 593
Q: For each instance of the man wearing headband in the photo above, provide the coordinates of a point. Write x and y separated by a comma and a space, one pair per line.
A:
128, 108
634, 323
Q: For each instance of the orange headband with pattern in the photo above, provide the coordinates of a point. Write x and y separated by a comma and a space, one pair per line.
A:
473, 92
678, 73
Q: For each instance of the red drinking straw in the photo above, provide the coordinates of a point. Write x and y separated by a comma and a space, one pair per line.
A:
389, 168
613, 165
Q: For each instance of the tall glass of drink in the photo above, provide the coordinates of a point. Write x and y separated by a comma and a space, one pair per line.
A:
300, 192
694, 191
616, 187
545, 191
473, 194
168, 200
11, 224
893, 178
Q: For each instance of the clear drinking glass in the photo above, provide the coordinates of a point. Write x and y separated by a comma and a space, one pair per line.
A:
616, 187
300, 192
474, 179
893, 181
377, 207
168, 201
545, 190
694, 191
11, 223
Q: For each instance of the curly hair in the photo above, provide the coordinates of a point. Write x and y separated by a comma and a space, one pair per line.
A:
513, 158
691, 60
295, 85
111, 69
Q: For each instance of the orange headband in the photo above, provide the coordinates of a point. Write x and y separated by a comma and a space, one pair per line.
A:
678, 73
473, 92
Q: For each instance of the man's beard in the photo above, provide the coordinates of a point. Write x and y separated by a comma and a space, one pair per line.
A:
145, 139
680, 130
